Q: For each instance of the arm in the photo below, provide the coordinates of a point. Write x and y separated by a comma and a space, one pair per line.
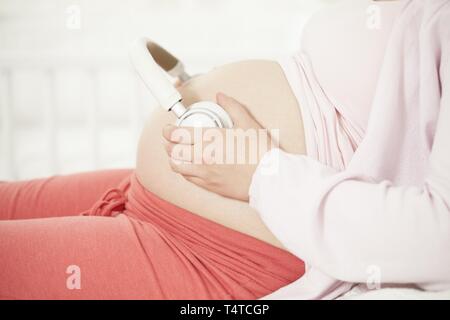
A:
343, 224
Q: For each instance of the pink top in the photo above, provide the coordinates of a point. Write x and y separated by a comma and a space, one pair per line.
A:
380, 213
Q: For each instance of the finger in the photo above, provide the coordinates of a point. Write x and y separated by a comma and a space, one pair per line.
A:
235, 109
209, 152
184, 135
184, 152
187, 168
197, 181
230, 105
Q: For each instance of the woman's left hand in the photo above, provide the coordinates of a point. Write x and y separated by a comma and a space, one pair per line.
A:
219, 160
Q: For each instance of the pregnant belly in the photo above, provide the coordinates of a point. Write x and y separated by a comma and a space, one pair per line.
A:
262, 87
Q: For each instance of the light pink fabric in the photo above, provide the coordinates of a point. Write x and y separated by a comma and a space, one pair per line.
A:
387, 214
335, 73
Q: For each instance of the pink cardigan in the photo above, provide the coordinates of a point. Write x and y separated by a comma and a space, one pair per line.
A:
387, 215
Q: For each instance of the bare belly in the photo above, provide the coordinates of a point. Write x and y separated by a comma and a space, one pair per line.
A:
263, 88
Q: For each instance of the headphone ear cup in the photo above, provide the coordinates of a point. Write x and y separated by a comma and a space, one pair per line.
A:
225, 118
205, 114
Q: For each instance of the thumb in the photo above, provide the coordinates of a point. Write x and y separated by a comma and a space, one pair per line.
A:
237, 111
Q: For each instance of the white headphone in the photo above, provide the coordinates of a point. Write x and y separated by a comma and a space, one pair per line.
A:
201, 114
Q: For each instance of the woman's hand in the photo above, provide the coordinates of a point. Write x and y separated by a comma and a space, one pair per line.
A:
220, 160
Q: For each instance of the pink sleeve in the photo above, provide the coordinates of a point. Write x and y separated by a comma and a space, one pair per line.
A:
344, 224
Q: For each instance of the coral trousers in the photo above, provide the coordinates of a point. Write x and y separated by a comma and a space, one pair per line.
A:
101, 235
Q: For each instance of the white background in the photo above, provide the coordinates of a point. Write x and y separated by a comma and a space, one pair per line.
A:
69, 100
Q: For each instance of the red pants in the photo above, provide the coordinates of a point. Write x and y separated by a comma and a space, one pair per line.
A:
101, 235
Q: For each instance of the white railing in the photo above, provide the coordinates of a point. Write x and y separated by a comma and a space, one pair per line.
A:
46, 121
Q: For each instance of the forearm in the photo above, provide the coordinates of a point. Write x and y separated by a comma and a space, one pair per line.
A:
344, 224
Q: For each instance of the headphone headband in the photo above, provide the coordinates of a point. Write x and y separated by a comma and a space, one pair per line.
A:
153, 75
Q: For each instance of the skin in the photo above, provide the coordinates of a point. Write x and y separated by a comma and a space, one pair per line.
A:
229, 180
262, 88
232, 181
